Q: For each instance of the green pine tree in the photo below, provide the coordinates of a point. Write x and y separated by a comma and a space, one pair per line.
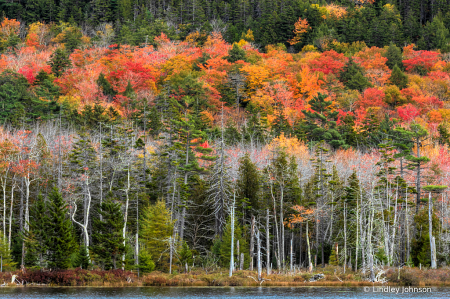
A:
436, 35
146, 263
444, 135
129, 91
59, 62
420, 245
36, 239
82, 259
106, 87
394, 57
236, 53
352, 76
60, 241
6, 260
249, 185
156, 231
225, 244
185, 255
398, 78
320, 123
108, 243
333, 260
416, 161
155, 124
358, 82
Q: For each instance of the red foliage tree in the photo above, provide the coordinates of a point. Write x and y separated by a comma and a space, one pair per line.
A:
329, 62
372, 97
424, 59
407, 112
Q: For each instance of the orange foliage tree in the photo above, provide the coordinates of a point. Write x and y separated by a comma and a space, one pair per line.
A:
300, 28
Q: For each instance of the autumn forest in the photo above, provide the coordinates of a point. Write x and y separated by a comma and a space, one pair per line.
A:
276, 135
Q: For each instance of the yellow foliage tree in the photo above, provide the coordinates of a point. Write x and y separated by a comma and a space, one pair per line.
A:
156, 233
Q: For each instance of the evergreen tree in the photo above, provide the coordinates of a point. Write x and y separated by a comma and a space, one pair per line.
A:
36, 239
108, 243
231, 134
444, 135
6, 261
320, 122
146, 263
225, 244
436, 35
156, 232
18, 104
129, 90
59, 62
420, 245
155, 124
398, 78
186, 141
333, 260
358, 82
185, 255
351, 75
236, 53
394, 57
60, 241
82, 259
416, 161
249, 184
106, 87
254, 131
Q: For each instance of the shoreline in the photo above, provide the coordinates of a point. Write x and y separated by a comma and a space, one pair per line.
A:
9, 286
331, 277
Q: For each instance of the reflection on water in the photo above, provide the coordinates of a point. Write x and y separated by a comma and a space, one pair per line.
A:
217, 292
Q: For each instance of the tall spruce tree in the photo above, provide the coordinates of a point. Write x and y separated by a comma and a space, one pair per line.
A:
106, 87
236, 53
225, 244
59, 62
394, 57
6, 261
60, 241
398, 78
352, 76
36, 239
156, 232
107, 237
320, 122
249, 184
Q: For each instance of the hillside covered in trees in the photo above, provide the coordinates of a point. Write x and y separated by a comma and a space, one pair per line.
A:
169, 135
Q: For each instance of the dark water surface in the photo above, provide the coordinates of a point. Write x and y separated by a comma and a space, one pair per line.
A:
220, 292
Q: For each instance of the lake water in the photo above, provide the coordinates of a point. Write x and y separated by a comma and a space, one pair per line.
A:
220, 292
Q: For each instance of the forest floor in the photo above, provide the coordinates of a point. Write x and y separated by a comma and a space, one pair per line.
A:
332, 277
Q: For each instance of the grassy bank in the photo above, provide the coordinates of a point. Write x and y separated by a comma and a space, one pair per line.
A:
74, 277
248, 278
333, 277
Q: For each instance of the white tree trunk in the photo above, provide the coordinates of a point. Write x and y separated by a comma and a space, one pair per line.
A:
267, 242
309, 248
345, 235
10, 216
232, 237
258, 254
125, 215
430, 232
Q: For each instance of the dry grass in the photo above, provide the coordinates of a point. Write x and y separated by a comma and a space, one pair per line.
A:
417, 277
247, 278
198, 277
